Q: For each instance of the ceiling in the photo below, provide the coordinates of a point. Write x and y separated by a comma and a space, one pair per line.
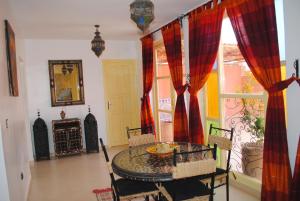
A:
74, 19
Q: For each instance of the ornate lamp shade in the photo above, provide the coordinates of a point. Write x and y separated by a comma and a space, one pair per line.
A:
98, 44
142, 13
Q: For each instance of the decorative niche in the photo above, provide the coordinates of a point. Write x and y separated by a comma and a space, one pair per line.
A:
66, 82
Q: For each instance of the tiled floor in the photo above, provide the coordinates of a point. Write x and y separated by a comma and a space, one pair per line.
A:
73, 178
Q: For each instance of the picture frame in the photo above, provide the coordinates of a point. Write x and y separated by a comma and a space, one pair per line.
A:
11, 60
66, 82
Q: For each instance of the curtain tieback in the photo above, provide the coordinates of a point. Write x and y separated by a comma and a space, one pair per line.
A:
180, 90
192, 91
144, 96
281, 85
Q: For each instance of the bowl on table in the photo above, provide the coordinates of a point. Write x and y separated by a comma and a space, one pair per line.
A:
162, 149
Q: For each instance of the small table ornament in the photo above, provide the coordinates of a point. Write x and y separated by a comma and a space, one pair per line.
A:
62, 114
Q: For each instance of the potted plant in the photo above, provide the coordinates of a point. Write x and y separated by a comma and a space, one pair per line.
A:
252, 152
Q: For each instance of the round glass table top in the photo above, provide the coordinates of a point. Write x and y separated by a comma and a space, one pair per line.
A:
138, 164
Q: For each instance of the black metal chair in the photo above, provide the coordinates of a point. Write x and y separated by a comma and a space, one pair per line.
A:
140, 136
223, 138
126, 188
186, 167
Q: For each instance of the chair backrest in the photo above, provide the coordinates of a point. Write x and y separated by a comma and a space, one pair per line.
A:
223, 138
138, 131
194, 163
108, 165
140, 136
140, 140
203, 165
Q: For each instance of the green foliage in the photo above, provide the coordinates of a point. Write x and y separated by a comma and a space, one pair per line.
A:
256, 124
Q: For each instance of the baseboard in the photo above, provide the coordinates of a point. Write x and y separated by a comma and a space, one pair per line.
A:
53, 156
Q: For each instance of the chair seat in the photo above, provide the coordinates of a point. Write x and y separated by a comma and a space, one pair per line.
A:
128, 187
184, 189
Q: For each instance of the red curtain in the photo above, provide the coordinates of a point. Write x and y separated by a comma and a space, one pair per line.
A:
295, 193
204, 36
146, 111
172, 40
254, 24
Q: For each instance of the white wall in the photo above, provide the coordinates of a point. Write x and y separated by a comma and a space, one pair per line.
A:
12, 110
38, 52
292, 39
3, 183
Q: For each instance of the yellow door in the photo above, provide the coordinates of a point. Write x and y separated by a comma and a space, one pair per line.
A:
122, 102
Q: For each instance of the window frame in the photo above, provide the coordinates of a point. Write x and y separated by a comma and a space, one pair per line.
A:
157, 110
157, 43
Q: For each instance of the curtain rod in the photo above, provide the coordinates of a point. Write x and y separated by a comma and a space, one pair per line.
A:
180, 18
158, 29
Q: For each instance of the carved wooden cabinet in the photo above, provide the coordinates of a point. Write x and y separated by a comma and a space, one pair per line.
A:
67, 136
91, 133
41, 143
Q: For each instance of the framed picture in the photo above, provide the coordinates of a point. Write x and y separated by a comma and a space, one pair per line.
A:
66, 82
11, 60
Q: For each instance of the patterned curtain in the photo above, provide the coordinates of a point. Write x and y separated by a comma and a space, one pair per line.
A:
172, 40
295, 193
254, 24
146, 111
204, 36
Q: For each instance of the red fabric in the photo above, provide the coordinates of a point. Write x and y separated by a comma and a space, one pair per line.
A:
281, 85
104, 194
146, 111
103, 190
172, 40
204, 37
295, 193
254, 24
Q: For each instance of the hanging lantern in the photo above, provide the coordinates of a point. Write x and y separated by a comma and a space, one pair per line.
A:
142, 13
98, 45
70, 68
67, 68
64, 70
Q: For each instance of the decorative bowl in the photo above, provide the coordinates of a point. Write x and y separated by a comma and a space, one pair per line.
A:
162, 149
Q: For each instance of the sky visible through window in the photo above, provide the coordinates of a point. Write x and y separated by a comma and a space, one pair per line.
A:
227, 35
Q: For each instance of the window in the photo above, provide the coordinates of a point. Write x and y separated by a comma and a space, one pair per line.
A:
234, 99
164, 93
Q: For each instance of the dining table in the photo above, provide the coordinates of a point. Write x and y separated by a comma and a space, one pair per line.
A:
137, 163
